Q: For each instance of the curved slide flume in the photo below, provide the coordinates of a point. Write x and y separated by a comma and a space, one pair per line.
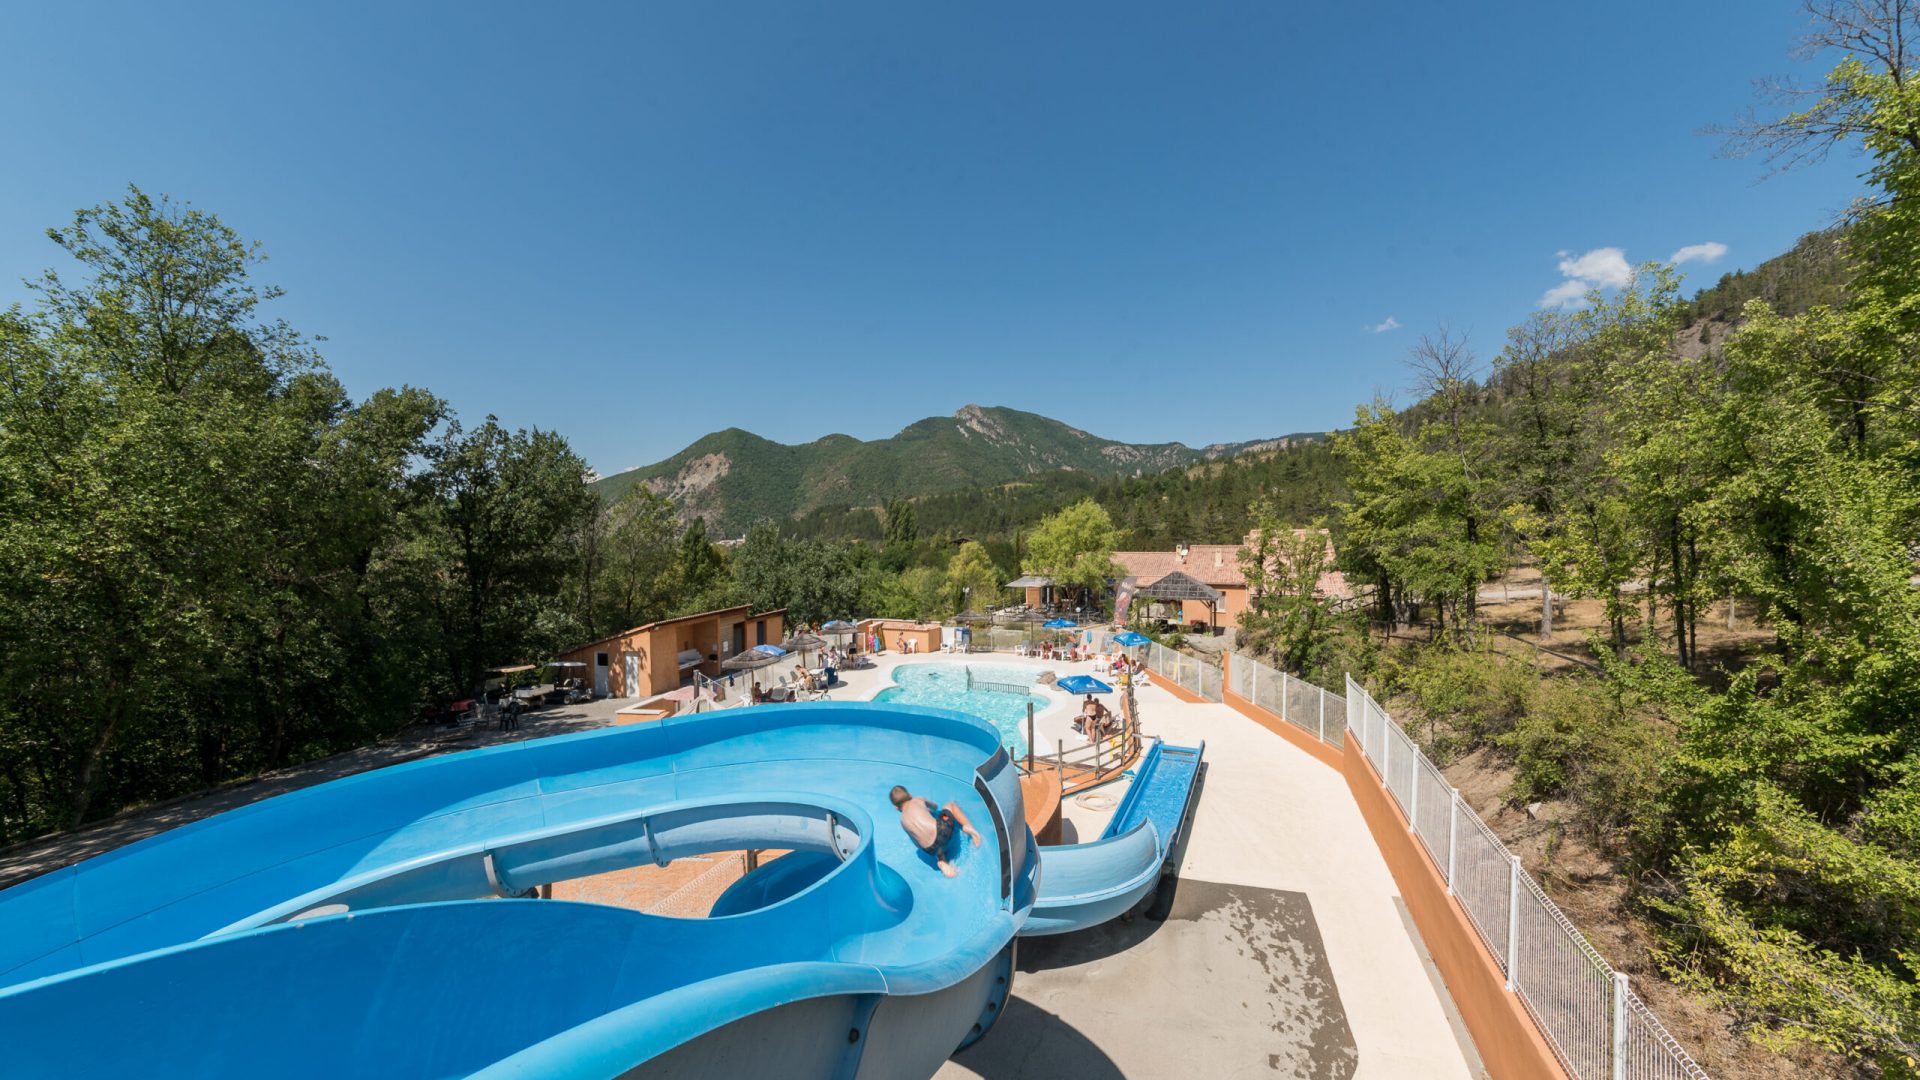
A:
357, 928
222, 948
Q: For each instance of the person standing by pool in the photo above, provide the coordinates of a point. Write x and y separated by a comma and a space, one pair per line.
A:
932, 827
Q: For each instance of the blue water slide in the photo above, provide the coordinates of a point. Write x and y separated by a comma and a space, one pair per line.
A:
372, 926
366, 926
1082, 885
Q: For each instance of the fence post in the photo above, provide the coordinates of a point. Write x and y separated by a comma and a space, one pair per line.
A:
1453, 832
1619, 1026
1029, 736
1323, 714
1413, 797
1283, 694
1060, 761
1513, 919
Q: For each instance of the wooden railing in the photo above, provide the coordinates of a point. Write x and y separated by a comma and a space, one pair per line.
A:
1083, 767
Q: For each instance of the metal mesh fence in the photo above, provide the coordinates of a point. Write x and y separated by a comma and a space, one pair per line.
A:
1482, 879
1590, 1018
1189, 671
1211, 679
1433, 803
1298, 702
1565, 984
1650, 1051
1402, 762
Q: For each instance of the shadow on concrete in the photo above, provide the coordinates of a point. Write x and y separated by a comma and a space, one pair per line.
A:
1238, 972
1030, 1042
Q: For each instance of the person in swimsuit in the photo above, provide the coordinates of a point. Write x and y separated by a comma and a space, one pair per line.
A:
932, 827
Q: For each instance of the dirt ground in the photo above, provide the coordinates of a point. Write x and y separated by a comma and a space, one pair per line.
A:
1513, 605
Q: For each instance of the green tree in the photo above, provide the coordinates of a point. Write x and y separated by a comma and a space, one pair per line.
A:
814, 580
1074, 547
698, 564
644, 556
499, 510
972, 578
1287, 616
192, 516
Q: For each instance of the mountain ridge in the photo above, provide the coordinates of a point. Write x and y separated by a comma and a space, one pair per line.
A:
733, 477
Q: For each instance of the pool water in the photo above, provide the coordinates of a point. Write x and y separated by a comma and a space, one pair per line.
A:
995, 693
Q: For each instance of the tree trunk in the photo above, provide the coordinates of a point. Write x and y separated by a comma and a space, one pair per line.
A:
1679, 604
88, 774
1546, 609
1693, 599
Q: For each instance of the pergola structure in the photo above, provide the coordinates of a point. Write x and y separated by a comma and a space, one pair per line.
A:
1035, 587
1177, 586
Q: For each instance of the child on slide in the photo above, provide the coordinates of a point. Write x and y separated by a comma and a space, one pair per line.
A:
932, 827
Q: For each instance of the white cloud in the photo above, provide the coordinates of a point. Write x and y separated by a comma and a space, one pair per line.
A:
1601, 268
1391, 324
1566, 294
1706, 253
1606, 267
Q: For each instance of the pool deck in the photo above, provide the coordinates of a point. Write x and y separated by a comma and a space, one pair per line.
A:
1283, 948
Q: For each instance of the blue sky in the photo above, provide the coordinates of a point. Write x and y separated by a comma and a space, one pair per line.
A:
636, 223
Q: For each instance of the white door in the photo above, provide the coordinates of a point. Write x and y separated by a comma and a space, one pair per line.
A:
600, 674
632, 686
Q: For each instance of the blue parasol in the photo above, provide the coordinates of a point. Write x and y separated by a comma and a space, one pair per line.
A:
1083, 684
1131, 638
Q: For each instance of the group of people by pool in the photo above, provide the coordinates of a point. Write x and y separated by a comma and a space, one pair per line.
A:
1095, 720
1051, 651
804, 680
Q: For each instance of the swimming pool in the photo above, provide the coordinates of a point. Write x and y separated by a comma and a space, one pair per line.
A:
998, 693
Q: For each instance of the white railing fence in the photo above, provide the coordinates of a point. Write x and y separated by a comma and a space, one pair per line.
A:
1595, 1023
1298, 702
1191, 672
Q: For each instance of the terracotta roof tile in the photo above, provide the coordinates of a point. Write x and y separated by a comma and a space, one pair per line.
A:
1217, 565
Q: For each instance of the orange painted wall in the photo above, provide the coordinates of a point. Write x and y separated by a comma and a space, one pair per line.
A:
1040, 795
1228, 613
1510, 1046
657, 648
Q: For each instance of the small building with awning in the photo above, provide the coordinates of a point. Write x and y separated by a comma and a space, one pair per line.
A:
1183, 589
662, 656
1035, 587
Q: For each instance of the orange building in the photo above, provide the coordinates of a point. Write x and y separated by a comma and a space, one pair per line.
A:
663, 656
895, 633
1216, 566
